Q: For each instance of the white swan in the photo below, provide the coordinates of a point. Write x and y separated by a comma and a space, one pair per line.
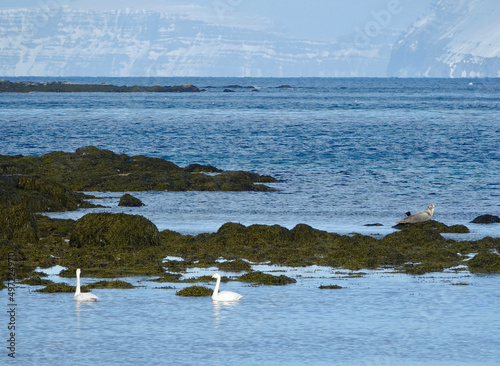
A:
82, 296
419, 216
223, 295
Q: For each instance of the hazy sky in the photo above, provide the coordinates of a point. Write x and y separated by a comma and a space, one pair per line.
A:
320, 20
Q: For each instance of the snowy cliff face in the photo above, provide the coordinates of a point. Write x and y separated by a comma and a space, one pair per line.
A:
456, 38
67, 42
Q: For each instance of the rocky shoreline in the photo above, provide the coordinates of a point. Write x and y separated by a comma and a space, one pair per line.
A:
109, 245
7, 86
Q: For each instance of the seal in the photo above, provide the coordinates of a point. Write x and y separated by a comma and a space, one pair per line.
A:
419, 216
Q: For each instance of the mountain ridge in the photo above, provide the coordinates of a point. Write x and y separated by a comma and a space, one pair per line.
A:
453, 39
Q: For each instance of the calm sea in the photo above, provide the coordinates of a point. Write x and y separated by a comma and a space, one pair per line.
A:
347, 152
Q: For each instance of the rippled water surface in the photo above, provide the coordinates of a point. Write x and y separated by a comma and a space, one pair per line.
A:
347, 152
380, 318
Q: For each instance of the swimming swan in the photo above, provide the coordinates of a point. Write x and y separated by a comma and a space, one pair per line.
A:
223, 295
82, 296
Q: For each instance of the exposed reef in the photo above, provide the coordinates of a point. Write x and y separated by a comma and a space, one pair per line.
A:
112, 245
435, 225
486, 219
106, 245
93, 169
7, 86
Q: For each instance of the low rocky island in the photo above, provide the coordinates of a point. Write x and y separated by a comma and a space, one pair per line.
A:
112, 245
7, 86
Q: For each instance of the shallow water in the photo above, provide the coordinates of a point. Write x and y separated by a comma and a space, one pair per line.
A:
348, 152
380, 318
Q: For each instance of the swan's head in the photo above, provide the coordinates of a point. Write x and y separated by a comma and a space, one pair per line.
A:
216, 276
78, 271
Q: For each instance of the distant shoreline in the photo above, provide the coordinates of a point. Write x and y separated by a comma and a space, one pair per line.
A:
7, 86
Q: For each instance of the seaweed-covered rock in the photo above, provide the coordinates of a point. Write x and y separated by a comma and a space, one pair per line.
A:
486, 219
198, 168
103, 230
127, 200
49, 227
110, 284
60, 287
38, 194
18, 224
36, 281
304, 245
484, 262
93, 169
330, 287
266, 279
235, 266
422, 268
434, 225
169, 277
485, 244
196, 291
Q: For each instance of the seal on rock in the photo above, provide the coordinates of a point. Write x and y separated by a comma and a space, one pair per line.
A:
419, 216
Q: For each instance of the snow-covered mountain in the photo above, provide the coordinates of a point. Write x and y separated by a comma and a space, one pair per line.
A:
69, 42
456, 38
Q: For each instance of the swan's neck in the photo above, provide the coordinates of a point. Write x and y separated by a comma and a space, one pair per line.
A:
216, 289
77, 284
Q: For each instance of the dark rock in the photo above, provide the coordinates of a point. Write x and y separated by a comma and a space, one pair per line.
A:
486, 219
127, 200
284, 86
376, 224
67, 87
228, 91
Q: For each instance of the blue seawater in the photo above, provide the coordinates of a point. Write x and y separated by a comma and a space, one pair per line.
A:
347, 152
